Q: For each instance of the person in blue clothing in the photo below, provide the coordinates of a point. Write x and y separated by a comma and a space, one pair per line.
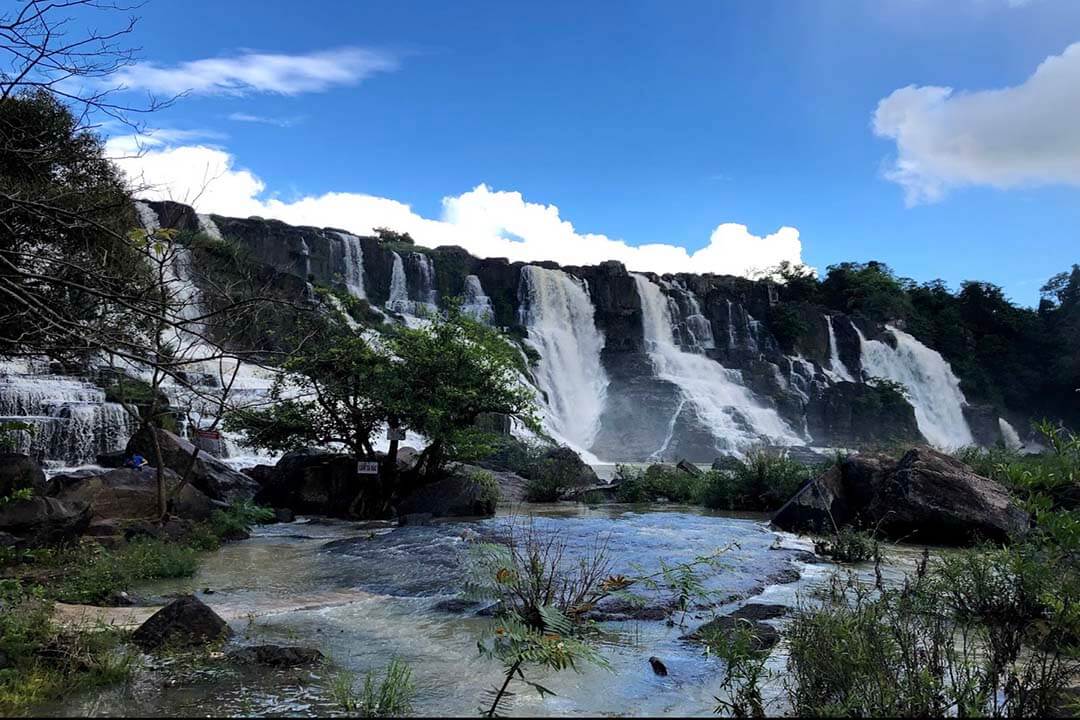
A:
136, 461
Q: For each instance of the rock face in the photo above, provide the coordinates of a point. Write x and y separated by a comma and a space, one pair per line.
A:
185, 622
213, 477
127, 493
316, 482
927, 496
454, 496
851, 414
18, 472
41, 521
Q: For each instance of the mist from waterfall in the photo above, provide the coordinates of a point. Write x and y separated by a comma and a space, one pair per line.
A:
717, 394
558, 313
932, 388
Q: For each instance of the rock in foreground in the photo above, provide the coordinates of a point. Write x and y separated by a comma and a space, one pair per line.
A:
183, 623
41, 521
926, 496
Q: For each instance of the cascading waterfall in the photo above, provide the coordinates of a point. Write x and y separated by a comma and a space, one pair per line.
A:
208, 226
693, 328
722, 403
399, 288
72, 422
558, 313
476, 304
932, 388
836, 365
1009, 436
352, 260
427, 295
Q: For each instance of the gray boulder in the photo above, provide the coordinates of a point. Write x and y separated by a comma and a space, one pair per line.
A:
927, 496
212, 476
18, 472
40, 521
275, 656
128, 493
763, 637
185, 622
454, 496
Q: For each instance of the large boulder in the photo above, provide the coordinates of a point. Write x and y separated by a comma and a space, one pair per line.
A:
185, 622
127, 493
927, 496
212, 476
321, 483
40, 521
454, 496
20, 472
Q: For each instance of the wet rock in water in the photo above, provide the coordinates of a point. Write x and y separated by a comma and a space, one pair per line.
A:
927, 496
759, 611
275, 656
20, 472
763, 637
185, 622
658, 666
784, 577
621, 608
423, 518
40, 521
456, 606
284, 515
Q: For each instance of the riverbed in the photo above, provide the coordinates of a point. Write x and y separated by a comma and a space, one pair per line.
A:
364, 593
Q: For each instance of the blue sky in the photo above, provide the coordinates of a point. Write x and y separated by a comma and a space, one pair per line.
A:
645, 122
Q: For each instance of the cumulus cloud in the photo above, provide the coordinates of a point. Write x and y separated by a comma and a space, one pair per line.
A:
1010, 137
258, 73
486, 222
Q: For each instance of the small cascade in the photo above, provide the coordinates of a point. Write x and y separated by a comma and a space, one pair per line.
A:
208, 226
836, 365
558, 313
352, 263
1009, 436
426, 294
476, 304
72, 423
693, 330
932, 388
722, 403
730, 327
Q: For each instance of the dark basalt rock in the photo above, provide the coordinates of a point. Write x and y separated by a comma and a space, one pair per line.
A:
41, 521
454, 496
19, 472
131, 493
275, 656
852, 414
759, 611
763, 638
185, 622
927, 496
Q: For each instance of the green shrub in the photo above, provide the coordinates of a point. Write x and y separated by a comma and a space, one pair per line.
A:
552, 478
235, 521
94, 574
761, 481
659, 482
489, 492
390, 696
849, 546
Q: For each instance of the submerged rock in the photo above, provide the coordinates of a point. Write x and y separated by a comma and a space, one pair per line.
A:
927, 496
658, 666
275, 656
185, 622
762, 639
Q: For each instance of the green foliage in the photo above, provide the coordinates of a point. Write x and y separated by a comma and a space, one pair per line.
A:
658, 482
982, 632
43, 661
744, 671
490, 493
236, 520
787, 325
94, 574
849, 545
760, 481
552, 478
868, 288
388, 696
20, 494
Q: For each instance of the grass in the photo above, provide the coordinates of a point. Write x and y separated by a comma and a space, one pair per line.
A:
92, 574
388, 696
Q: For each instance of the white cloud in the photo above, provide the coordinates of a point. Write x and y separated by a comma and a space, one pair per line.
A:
263, 119
1016, 136
258, 73
486, 222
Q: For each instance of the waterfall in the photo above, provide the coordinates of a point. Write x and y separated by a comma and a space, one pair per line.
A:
836, 365
722, 403
399, 288
1009, 436
558, 313
352, 263
72, 423
476, 304
208, 226
427, 295
692, 327
932, 388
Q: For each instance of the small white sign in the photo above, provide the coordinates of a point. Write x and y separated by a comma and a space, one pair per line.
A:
395, 434
367, 468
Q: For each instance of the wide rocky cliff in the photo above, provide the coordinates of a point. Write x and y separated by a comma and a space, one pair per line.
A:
633, 366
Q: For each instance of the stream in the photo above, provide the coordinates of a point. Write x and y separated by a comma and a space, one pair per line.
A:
364, 593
